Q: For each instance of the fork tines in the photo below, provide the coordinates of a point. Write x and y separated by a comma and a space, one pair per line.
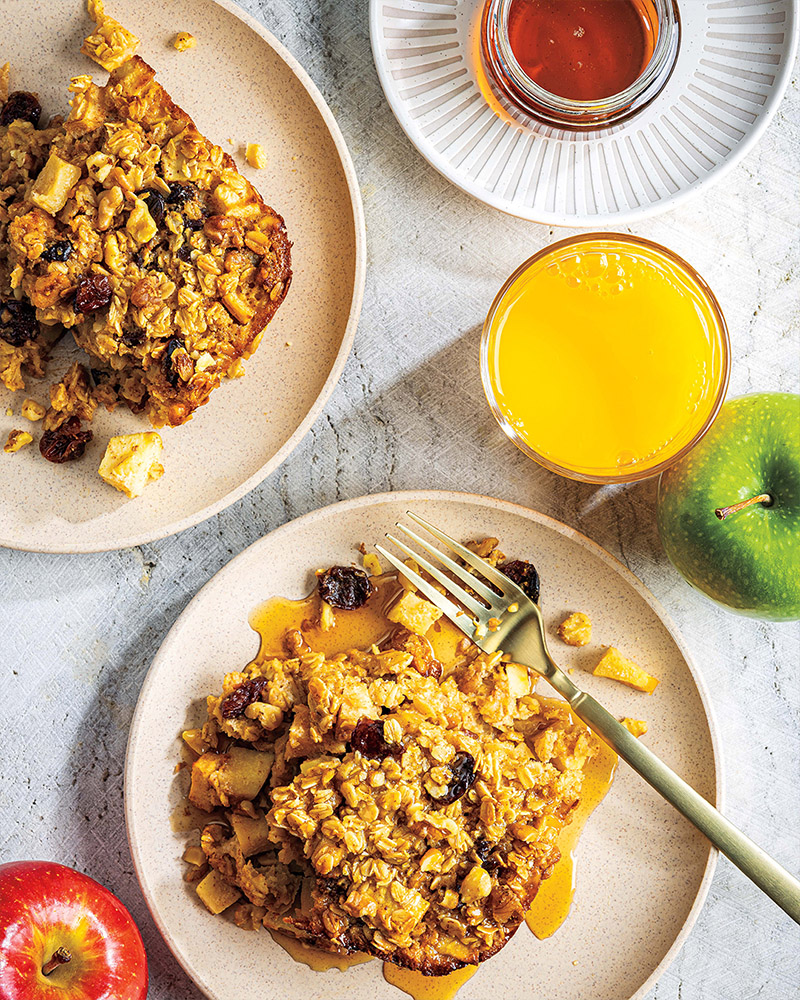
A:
488, 605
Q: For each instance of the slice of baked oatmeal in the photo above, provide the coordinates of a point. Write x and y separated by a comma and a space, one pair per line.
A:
141, 237
366, 803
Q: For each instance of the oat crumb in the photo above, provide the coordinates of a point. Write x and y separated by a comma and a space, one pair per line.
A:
576, 629
17, 440
256, 156
372, 564
183, 41
637, 727
110, 44
32, 410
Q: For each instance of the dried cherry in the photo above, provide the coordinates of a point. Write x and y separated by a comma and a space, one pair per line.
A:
193, 225
369, 740
524, 574
65, 443
134, 337
94, 292
156, 205
168, 367
462, 768
21, 106
59, 250
344, 587
489, 855
336, 888
234, 704
482, 848
180, 193
18, 322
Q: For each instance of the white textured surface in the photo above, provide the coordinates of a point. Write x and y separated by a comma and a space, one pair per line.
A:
77, 633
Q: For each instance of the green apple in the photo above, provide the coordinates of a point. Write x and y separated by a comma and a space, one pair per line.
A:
729, 511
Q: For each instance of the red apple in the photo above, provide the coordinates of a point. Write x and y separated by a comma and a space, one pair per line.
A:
65, 937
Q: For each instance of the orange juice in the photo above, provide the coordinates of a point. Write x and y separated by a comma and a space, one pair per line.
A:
605, 357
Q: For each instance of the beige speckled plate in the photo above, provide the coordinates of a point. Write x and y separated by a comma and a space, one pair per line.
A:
643, 871
239, 83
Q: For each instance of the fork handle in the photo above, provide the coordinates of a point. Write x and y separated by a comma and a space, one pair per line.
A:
748, 857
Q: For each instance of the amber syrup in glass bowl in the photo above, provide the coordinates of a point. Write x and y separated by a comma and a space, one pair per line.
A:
579, 64
582, 49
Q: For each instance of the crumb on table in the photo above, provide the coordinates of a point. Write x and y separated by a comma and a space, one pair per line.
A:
256, 156
17, 440
576, 629
637, 727
619, 668
183, 41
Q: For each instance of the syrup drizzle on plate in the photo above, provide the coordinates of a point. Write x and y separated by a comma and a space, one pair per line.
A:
554, 899
315, 958
427, 987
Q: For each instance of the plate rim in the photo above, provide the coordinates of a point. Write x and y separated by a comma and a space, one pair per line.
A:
414, 496
33, 544
782, 79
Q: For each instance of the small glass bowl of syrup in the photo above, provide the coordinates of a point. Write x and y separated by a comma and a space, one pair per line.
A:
579, 64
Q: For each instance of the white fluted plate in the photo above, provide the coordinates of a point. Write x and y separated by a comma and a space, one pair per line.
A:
733, 66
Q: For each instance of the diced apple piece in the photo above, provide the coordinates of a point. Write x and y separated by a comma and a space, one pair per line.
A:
215, 892
414, 613
54, 183
638, 727
202, 793
616, 666
243, 773
141, 224
194, 855
193, 738
252, 833
131, 461
519, 680
228, 778
256, 156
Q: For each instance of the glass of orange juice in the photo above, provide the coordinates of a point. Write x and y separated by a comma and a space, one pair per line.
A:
605, 357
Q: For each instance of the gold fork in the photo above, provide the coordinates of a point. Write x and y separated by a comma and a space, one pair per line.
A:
511, 621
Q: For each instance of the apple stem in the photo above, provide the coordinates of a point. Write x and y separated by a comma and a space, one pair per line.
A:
60, 957
723, 512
